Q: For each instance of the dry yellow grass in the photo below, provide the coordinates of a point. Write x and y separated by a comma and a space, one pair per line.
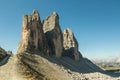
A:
112, 68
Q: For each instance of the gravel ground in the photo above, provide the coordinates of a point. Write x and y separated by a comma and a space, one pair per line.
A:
11, 71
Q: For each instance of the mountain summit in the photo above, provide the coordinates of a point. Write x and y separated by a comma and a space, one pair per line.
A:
47, 37
47, 53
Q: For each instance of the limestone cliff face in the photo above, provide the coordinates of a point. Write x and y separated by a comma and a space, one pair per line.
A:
3, 54
33, 37
70, 45
47, 37
53, 34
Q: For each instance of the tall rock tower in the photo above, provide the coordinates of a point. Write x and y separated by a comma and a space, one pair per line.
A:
70, 45
33, 37
47, 37
53, 34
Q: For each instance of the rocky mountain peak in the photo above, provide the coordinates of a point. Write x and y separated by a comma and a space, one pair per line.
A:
69, 36
28, 19
35, 15
47, 37
33, 37
35, 60
55, 15
51, 22
70, 45
53, 34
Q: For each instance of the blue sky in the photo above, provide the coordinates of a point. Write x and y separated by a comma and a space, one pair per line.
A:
95, 23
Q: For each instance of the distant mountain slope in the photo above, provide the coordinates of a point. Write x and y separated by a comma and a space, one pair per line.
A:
108, 60
30, 66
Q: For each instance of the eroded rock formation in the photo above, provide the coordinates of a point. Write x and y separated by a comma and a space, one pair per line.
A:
53, 34
3, 54
32, 34
70, 45
47, 37
37, 38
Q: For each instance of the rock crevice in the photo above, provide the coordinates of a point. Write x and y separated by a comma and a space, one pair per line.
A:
47, 37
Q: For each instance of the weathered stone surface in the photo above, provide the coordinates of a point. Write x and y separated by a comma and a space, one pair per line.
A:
33, 37
70, 45
53, 34
3, 53
47, 37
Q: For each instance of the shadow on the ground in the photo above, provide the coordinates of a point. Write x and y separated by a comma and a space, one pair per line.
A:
83, 66
113, 73
5, 60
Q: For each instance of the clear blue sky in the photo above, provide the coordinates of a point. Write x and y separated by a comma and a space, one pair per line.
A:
95, 23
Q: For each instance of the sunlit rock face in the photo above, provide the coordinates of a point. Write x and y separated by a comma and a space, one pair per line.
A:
70, 45
47, 37
53, 34
33, 37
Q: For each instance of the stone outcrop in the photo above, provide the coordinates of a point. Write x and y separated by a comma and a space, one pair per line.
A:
33, 37
47, 37
70, 45
3, 54
53, 34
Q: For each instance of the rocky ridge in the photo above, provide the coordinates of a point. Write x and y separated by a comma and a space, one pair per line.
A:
33, 37
45, 53
70, 45
53, 34
47, 37
3, 54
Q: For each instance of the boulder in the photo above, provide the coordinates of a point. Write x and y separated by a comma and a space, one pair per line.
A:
70, 45
53, 34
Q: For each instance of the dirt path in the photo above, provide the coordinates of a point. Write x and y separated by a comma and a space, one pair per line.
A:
9, 70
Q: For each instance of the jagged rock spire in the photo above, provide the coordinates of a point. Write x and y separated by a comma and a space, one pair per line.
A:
70, 45
47, 37
51, 22
53, 34
32, 34
35, 15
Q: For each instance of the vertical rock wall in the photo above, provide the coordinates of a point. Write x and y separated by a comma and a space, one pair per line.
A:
47, 37
53, 34
33, 37
70, 45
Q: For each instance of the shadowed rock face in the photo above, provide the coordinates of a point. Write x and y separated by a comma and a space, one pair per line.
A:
33, 37
32, 65
3, 54
47, 37
53, 34
70, 45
